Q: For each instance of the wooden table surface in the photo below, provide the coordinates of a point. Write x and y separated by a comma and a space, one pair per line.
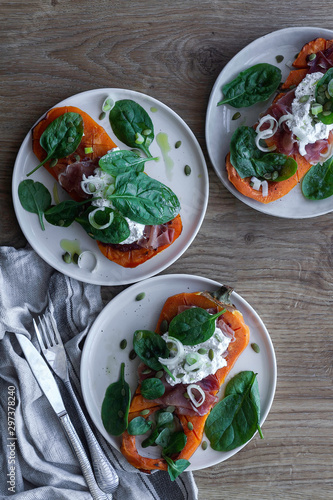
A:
174, 51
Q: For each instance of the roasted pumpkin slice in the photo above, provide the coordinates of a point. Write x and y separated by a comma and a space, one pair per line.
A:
172, 307
96, 140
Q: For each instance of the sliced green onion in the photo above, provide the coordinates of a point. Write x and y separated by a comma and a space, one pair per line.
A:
107, 104
88, 150
316, 109
138, 138
94, 224
193, 362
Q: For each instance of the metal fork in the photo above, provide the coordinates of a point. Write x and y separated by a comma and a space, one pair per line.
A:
54, 352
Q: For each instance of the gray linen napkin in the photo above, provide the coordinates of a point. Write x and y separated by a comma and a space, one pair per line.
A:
39, 464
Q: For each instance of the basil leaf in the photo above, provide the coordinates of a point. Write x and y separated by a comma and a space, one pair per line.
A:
152, 388
115, 406
120, 162
138, 426
177, 442
115, 233
317, 184
177, 467
61, 137
35, 198
255, 84
234, 420
144, 200
327, 119
131, 124
193, 326
150, 346
249, 161
65, 213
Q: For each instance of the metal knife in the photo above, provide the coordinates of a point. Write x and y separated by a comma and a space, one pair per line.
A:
49, 386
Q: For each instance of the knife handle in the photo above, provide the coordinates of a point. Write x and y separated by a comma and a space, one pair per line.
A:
106, 477
79, 450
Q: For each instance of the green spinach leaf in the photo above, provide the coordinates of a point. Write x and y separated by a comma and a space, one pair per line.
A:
138, 426
235, 419
177, 467
132, 125
150, 346
193, 326
34, 198
143, 199
65, 213
255, 84
61, 137
163, 438
317, 184
249, 161
120, 162
326, 116
115, 406
115, 233
152, 388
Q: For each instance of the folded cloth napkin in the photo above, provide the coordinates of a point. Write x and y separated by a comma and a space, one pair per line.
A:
39, 464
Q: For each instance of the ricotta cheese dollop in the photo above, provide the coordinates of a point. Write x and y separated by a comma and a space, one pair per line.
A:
206, 364
302, 123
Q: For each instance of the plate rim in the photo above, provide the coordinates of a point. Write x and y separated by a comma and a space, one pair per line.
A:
260, 207
92, 279
84, 382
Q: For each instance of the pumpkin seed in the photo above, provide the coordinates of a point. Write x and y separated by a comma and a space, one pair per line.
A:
170, 409
190, 426
164, 326
304, 98
146, 372
102, 115
53, 162
132, 355
146, 131
275, 175
204, 445
279, 58
312, 57
180, 375
236, 116
255, 347
77, 157
140, 296
211, 354
120, 414
187, 170
159, 374
186, 396
178, 144
70, 139
202, 350
123, 344
75, 258
144, 412
67, 258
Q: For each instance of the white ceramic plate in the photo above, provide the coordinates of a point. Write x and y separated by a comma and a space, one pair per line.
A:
220, 126
192, 191
102, 356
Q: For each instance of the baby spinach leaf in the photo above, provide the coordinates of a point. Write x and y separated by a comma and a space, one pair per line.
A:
64, 213
193, 326
249, 161
115, 406
61, 137
138, 426
177, 467
152, 388
34, 198
150, 346
164, 420
132, 125
255, 84
317, 184
120, 162
115, 233
234, 420
163, 438
176, 443
143, 199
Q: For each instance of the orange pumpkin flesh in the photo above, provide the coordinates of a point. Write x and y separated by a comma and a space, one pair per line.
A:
96, 138
170, 309
277, 190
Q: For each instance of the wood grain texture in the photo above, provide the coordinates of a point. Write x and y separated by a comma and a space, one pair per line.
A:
174, 51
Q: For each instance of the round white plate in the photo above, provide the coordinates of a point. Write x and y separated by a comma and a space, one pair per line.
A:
192, 191
220, 126
102, 356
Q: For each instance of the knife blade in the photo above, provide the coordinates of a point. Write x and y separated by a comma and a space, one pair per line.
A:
49, 387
